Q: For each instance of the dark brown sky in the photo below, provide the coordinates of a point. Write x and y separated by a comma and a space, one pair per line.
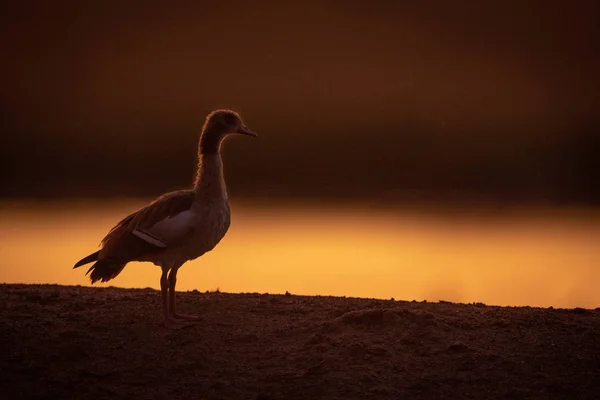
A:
135, 80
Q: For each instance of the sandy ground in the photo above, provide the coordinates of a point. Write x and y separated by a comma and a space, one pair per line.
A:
65, 342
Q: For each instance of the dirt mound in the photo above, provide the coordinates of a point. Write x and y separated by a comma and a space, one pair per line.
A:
390, 317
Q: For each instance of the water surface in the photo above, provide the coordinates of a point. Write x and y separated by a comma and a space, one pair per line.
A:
516, 257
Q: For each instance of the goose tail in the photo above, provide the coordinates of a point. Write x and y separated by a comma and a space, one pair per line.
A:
105, 270
86, 260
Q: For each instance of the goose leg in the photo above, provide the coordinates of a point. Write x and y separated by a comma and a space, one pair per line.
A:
164, 288
172, 310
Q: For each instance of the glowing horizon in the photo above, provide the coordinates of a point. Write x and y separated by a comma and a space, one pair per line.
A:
352, 252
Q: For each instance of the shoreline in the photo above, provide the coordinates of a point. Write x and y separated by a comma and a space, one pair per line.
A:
296, 295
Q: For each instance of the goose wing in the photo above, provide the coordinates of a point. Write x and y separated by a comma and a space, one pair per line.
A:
161, 224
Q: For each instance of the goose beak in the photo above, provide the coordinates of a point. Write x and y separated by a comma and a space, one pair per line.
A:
244, 130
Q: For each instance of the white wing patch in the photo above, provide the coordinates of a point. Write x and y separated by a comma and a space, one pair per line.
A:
168, 231
148, 238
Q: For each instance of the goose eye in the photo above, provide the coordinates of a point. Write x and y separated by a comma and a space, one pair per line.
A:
229, 119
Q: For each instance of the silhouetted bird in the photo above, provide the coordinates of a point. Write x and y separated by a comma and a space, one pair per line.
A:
178, 226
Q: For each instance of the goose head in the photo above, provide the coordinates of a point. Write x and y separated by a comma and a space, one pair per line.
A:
218, 125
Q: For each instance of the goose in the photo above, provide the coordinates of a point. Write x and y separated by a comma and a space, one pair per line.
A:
178, 226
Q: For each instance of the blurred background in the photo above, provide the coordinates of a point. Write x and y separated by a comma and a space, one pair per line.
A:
453, 145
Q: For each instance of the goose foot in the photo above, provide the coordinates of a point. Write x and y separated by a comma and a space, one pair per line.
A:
186, 317
175, 324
